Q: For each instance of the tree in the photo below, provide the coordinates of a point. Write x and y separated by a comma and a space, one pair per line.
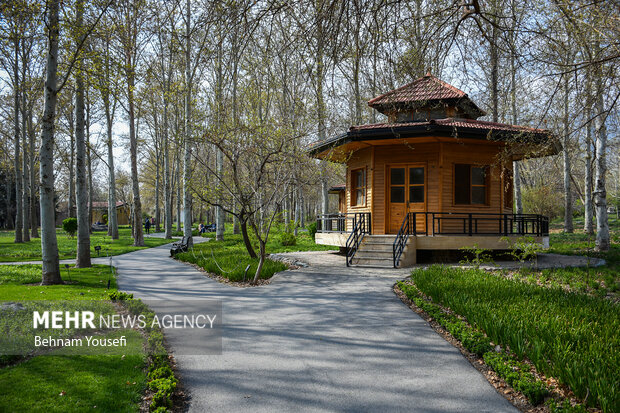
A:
49, 244
130, 23
83, 241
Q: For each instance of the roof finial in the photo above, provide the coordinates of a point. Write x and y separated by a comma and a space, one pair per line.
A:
428, 74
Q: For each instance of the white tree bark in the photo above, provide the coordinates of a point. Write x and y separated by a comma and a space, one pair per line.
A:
220, 215
19, 217
49, 245
600, 193
568, 199
25, 184
219, 212
187, 147
81, 190
588, 224
167, 176
34, 233
112, 213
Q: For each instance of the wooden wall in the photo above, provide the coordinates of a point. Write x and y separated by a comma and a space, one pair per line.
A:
439, 157
360, 159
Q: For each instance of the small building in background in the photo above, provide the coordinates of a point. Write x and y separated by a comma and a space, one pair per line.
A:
101, 208
433, 177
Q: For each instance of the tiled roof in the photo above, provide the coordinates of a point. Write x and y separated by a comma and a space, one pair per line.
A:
458, 123
104, 204
423, 89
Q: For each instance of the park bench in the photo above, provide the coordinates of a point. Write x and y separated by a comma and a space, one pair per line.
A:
99, 227
181, 246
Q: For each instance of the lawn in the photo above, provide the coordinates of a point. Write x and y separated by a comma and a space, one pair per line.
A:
570, 336
602, 281
31, 251
61, 383
229, 258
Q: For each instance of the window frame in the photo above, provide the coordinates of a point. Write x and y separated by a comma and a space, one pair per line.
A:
354, 188
486, 186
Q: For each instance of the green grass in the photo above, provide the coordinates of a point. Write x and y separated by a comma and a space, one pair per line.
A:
229, 258
109, 383
112, 383
31, 251
594, 280
20, 282
570, 336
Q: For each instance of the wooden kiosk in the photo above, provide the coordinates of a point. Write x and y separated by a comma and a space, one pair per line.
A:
432, 178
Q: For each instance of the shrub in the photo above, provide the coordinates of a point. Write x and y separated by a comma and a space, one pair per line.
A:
542, 200
119, 296
517, 375
311, 229
287, 239
476, 256
70, 226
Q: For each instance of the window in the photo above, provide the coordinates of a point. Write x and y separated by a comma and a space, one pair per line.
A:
416, 184
397, 185
358, 186
471, 184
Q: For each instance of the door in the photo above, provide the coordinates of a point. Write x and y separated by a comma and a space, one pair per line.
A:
406, 193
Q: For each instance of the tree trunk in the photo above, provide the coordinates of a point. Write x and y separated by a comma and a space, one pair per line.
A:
178, 185
89, 164
246, 238
568, 199
167, 186
600, 193
33, 193
157, 192
219, 156
25, 174
19, 218
588, 224
187, 147
516, 169
71, 201
112, 213
133, 149
261, 261
49, 245
83, 233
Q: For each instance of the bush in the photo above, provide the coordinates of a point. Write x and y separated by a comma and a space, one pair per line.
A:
70, 225
542, 200
288, 239
119, 296
311, 229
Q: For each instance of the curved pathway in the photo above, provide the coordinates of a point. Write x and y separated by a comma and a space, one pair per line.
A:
325, 338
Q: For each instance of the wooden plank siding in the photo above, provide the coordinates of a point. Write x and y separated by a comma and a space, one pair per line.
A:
405, 153
439, 156
360, 159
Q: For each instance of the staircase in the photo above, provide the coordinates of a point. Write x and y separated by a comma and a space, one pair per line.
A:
375, 251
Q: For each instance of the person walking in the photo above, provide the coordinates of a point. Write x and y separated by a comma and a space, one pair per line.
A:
147, 226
